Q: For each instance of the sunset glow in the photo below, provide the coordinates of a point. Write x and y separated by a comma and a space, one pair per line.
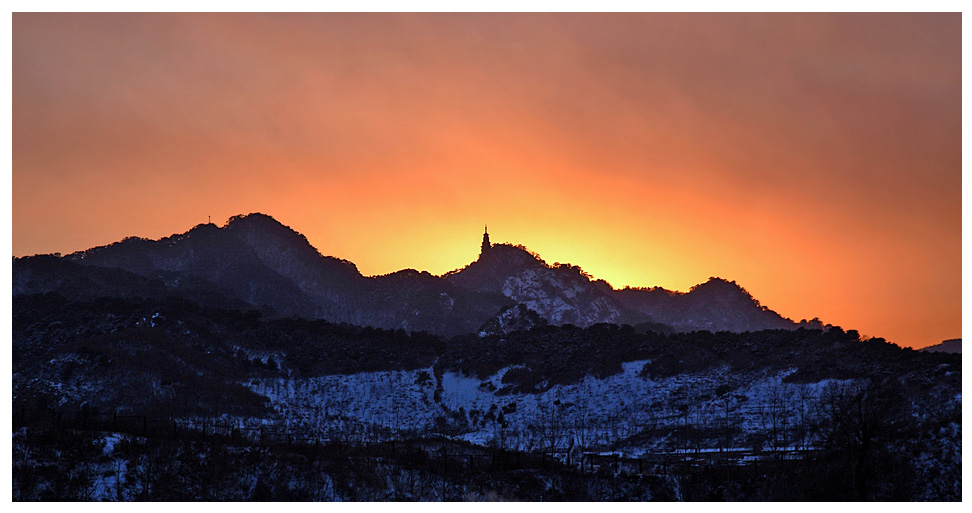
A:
814, 159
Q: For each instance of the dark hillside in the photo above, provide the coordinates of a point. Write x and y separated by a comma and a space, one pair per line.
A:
173, 355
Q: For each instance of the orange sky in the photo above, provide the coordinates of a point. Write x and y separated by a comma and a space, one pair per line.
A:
815, 159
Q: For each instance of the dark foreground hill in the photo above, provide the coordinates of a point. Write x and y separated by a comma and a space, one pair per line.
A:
824, 415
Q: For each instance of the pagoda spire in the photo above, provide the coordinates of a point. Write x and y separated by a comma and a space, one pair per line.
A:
486, 244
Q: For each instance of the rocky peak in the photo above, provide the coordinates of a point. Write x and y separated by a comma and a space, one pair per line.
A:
720, 291
491, 270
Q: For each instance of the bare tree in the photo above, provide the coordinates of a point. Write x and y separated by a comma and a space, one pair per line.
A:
776, 413
859, 416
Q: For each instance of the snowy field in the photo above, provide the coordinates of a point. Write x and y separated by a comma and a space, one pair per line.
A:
593, 413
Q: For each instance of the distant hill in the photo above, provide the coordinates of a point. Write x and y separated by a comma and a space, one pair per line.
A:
254, 261
947, 346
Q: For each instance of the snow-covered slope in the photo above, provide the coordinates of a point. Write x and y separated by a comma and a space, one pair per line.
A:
606, 413
515, 318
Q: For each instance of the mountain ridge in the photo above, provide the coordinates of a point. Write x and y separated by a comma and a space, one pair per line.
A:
946, 346
259, 261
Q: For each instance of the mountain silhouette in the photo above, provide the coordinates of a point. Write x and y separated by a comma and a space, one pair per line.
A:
254, 261
716, 305
946, 346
